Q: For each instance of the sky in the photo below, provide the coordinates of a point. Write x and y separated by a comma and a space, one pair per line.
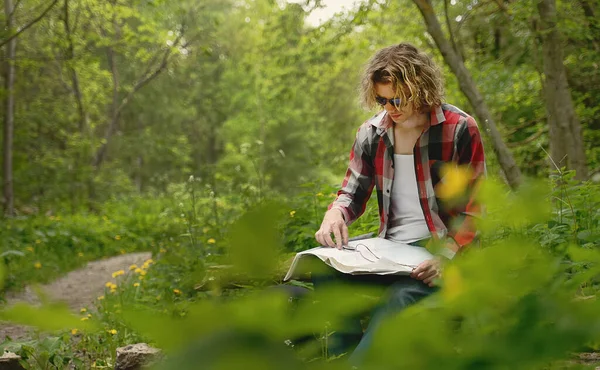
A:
331, 7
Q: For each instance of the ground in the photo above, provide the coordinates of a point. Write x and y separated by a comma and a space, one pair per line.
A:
77, 289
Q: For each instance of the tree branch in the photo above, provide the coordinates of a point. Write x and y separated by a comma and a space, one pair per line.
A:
449, 25
31, 23
530, 139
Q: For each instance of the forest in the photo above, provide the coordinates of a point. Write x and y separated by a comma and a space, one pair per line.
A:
198, 143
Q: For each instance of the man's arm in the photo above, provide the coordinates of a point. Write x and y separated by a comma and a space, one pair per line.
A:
359, 180
463, 228
352, 198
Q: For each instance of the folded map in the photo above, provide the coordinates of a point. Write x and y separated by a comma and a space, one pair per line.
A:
366, 256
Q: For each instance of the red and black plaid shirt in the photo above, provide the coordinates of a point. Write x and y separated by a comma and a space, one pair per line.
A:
452, 137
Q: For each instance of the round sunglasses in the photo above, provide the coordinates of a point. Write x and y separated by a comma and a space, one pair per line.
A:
393, 101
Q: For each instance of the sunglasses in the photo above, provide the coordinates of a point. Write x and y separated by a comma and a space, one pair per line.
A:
383, 101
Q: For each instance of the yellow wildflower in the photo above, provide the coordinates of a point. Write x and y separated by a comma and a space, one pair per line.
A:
38, 241
89, 315
118, 273
211, 241
84, 319
80, 254
117, 237
30, 249
136, 284
133, 267
140, 277
83, 310
319, 194
138, 270
74, 331
112, 331
176, 291
292, 213
163, 250
453, 284
122, 251
454, 182
333, 195
37, 265
100, 297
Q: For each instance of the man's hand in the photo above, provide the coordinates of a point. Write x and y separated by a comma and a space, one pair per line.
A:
333, 222
427, 271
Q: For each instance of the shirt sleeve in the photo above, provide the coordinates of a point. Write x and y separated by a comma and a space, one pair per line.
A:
463, 228
358, 183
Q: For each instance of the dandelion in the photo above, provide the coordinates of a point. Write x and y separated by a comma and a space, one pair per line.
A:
112, 331
84, 319
117, 237
136, 284
80, 254
138, 270
454, 182
30, 249
100, 297
211, 241
133, 267
177, 291
83, 310
163, 250
37, 265
292, 213
319, 194
74, 331
453, 284
89, 315
118, 273
333, 195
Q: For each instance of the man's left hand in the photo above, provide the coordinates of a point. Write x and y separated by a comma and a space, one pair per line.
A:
427, 271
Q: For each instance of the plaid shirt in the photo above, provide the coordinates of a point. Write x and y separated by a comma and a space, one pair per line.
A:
452, 136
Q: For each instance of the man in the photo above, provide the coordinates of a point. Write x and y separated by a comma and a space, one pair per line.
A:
404, 152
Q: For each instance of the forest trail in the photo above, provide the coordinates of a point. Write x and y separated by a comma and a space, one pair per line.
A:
77, 289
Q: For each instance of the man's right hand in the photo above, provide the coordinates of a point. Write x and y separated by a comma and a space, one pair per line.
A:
333, 223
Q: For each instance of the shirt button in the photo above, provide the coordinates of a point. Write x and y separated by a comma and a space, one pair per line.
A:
388, 190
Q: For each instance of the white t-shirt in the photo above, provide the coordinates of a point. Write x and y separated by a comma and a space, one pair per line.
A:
407, 222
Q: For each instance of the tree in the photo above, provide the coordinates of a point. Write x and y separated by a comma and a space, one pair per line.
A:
505, 159
9, 105
566, 139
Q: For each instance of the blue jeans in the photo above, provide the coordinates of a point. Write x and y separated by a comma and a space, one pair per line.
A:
401, 292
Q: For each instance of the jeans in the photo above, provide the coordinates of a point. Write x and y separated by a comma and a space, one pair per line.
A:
401, 292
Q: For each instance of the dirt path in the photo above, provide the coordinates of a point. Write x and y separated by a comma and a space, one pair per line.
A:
78, 288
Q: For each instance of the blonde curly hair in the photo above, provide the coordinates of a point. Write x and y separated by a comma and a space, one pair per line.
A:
416, 78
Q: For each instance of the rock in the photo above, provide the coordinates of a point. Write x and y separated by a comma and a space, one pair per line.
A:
10, 361
135, 356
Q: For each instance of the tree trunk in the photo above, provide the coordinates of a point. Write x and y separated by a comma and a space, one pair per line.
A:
566, 138
468, 87
9, 103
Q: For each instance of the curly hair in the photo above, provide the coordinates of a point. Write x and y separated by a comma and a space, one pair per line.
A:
415, 77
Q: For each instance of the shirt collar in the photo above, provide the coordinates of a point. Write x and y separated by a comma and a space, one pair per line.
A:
382, 121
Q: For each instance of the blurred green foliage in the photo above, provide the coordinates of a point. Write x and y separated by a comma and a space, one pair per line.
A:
223, 166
